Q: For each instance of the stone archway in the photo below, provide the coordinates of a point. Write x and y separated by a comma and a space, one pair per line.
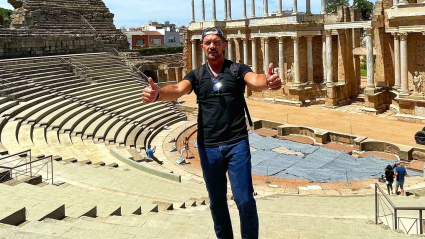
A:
152, 74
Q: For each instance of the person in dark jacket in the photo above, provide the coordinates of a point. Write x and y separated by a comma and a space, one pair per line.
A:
389, 177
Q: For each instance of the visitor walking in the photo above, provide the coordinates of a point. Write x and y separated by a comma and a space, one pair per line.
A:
400, 172
185, 147
389, 179
222, 132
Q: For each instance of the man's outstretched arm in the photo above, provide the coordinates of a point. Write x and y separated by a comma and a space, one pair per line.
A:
270, 81
166, 93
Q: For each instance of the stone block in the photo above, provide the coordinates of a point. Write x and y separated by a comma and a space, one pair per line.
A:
419, 155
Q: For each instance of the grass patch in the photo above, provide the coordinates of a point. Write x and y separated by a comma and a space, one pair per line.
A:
363, 72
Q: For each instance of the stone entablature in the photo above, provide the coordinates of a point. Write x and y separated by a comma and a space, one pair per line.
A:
406, 12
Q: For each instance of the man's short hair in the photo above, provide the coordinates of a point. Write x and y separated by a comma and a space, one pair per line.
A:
213, 31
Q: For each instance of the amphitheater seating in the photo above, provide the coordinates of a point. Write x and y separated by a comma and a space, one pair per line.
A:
57, 112
74, 17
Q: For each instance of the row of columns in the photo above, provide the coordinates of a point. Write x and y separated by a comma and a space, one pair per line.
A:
228, 9
327, 55
328, 58
296, 71
400, 63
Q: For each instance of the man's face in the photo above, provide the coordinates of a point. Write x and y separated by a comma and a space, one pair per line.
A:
213, 46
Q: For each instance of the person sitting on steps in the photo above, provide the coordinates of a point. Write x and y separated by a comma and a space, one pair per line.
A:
150, 152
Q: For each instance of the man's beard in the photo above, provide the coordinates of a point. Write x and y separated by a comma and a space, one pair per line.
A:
214, 54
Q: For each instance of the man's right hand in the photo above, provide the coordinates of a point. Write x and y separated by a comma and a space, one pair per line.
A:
150, 93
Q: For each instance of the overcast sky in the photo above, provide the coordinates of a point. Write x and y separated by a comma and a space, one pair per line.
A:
133, 13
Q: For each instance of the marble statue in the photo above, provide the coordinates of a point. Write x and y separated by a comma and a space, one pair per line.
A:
417, 81
289, 75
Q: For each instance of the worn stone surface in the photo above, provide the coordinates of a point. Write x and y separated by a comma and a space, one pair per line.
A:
60, 27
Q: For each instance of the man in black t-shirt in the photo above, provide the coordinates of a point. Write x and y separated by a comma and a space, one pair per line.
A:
222, 132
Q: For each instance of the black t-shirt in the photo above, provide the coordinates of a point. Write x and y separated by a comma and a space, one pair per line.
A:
221, 118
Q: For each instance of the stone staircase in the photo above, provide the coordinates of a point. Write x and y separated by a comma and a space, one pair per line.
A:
309, 217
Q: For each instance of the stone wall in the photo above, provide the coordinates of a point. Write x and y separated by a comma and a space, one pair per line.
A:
317, 60
63, 27
47, 45
416, 57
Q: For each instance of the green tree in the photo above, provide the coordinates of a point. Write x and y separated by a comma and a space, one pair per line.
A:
331, 5
6, 12
365, 7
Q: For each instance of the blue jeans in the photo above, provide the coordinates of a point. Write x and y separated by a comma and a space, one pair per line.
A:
215, 162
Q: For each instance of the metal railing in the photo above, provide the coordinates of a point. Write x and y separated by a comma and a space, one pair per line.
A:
88, 23
81, 65
31, 168
42, 33
387, 212
132, 67
14, 160
74, 64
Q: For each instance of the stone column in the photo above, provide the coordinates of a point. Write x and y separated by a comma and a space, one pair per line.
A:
194, 64
254, 54
265, 8
204, 58
252, 8
324, 57
266, 55
310, 59
244, 9
230, 49
369, 58
397, 61
225, 10
281, 59
329, 64
307, 7
193, 10
403, 64
323, 11
295, 7
395, 2
296, 72
245, 50
214, 14
203, 10
341, 64
279, 10
229, 10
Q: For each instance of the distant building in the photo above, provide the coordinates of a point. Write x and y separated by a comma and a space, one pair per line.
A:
169, 30
144, 39
182, 30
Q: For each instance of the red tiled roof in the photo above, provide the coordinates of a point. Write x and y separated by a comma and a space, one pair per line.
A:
152, 33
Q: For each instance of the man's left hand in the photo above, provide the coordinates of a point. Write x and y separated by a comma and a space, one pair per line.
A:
273, 81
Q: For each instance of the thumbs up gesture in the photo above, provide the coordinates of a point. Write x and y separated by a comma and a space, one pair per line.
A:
150, 93
273, 81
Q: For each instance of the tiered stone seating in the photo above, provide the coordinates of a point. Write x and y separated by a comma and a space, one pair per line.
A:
67, 15
108, 109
